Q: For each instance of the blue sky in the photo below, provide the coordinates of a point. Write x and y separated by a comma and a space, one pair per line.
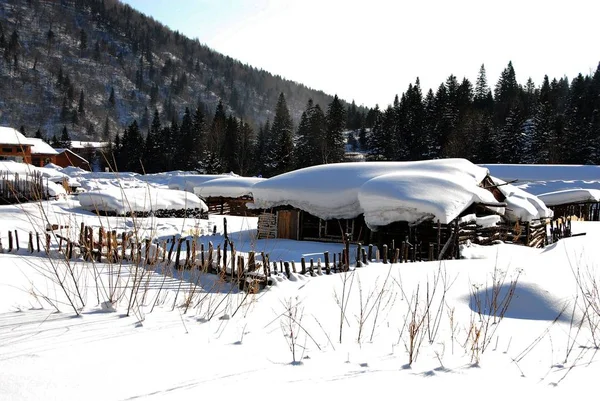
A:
371, 50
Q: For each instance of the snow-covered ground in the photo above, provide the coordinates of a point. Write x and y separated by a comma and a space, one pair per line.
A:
505, 321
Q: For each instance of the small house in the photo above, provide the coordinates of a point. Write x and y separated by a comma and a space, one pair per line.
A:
580, 202
41, 152
67, 158
14, 145
424, 204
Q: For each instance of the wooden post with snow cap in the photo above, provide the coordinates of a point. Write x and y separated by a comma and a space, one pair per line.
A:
17, 240
37, 241
326, 259
30, 243
396, 255
233, 259
100, 241
347, 252
294, 267
209, 260
251, 261
370, 253
384, 253
188, 252
266, 267
359, 255
335, 269
364, 257
218, 258
178, 253
303, 265
439, 237
311, 268
287, 269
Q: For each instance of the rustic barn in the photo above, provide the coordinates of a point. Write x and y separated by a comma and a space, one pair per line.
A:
583, 203
228, 195
431, 207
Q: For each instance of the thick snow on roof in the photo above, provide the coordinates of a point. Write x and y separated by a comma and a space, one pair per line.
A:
521, 205
10, 136
543, 172
38, 146
570, 196
122, 201
415, 195
228, 187
543, 187
88, 144
187, 182
384, 191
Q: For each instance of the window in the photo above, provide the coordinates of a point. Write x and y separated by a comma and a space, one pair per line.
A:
7, 150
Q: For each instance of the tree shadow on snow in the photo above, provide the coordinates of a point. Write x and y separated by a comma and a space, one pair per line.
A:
528, 302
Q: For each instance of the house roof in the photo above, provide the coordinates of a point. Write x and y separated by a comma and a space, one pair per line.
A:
70, 154
10, 136
39, 147
88, 144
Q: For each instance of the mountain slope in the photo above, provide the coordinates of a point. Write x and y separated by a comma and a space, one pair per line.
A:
96, 65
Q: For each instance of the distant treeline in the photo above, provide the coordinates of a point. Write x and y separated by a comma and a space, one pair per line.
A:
558, 123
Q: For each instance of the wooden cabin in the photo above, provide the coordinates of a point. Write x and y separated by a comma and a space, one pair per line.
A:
42, 153
14, 146
68, 158
460, 204
584, 203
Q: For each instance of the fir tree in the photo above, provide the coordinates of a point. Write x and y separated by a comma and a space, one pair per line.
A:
65, 139
334, 140
282, 146
81, 107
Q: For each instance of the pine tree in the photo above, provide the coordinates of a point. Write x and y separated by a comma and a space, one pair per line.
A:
65, 139
153, 153
211, 160
111, 97
282, 147
132, 146
82, 41
106, 130
334, 137
231, 144
81, 107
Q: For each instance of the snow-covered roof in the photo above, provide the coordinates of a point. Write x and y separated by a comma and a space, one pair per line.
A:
88, 144
543, 172
570, 196
521, 205
39, 147
383, 191
124, 200
227, 187
10, 136
187, 182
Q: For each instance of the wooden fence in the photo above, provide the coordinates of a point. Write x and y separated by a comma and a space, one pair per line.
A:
17, 188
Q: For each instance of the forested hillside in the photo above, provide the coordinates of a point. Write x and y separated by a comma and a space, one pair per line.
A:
94, 66
557, 121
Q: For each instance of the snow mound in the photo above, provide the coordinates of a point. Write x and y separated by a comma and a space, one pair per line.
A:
228, 187
570, 196
125, 200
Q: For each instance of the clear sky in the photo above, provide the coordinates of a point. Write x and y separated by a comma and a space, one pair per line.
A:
370, 50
